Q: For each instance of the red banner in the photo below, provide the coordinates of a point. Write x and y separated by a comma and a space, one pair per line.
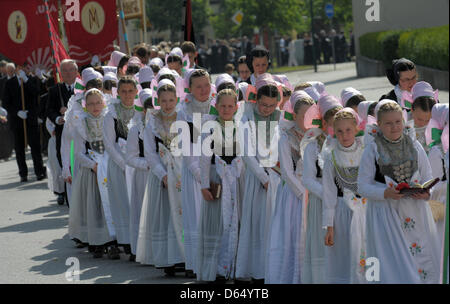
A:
95, 33
24, 32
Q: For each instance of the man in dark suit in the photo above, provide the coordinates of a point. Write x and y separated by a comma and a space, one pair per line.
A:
189, 48
12, 102
3, 78
58, 97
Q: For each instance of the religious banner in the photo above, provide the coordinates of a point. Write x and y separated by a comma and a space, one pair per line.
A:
95, 33
25, 32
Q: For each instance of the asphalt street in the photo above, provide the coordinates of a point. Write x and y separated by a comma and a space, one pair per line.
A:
34, 241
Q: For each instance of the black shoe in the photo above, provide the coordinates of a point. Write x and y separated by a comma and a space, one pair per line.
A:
132, 258
257, 281
60, 199
113, 253
190, 274
127, 249
98, 252
169, 271
41, 176
81, 245
23, 179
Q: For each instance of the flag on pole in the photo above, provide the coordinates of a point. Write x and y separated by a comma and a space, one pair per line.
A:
95, 33
188, 25
56, 46
23, 33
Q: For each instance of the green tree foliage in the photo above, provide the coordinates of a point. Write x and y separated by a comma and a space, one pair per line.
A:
280, 16
167, 14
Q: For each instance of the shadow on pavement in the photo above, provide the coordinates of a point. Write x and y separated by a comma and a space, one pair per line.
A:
53, 210
38, 225
99, 271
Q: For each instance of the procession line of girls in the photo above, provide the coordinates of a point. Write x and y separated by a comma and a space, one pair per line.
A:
299, 187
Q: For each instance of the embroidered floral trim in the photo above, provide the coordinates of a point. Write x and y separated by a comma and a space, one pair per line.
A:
423, 274
415, 249
409, 224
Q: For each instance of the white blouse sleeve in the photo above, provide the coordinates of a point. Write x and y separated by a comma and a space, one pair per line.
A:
367, 186
80, 153
50, 126
330, 193
436, 163
153, 158
132, 157
205, 166
287, 167
66, 139
310, 171
109, 140
424, 164
251, 161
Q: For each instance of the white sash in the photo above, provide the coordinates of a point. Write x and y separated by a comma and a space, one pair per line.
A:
229, 175
173, 167
357, 236
102, 182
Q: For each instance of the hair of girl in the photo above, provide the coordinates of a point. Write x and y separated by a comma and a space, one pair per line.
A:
371, 110
388, 107
155, 68
226, 92
302, 86
127, 80
93, 91
306, 101
354, 101
286, 92
109, 84
132, 69
99, 69
197, 74
146, 85
167, 76
94, 83
123, 61
267, 90
257, 52
148, 103
331, 112
167, 88
225, 85
399, 65
425, 103
341, 115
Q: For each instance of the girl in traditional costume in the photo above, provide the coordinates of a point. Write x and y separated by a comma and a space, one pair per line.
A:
400, 230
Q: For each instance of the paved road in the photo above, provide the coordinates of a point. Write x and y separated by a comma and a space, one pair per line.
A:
34, 244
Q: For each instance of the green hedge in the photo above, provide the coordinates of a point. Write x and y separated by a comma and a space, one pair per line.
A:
427, 46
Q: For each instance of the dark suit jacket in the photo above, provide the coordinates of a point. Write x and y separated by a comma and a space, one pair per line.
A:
12, 101
55, 102
3, 80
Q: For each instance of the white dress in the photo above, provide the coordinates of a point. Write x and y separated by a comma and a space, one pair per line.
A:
219, 219
54, 175
344, 210
117, 189
313, 271
401, 234
190, 180
136, 159
286, 239
258, 203
74, 111
86, 215
437, 162
159, 240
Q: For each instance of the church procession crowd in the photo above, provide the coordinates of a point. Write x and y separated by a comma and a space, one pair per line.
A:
254, 179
